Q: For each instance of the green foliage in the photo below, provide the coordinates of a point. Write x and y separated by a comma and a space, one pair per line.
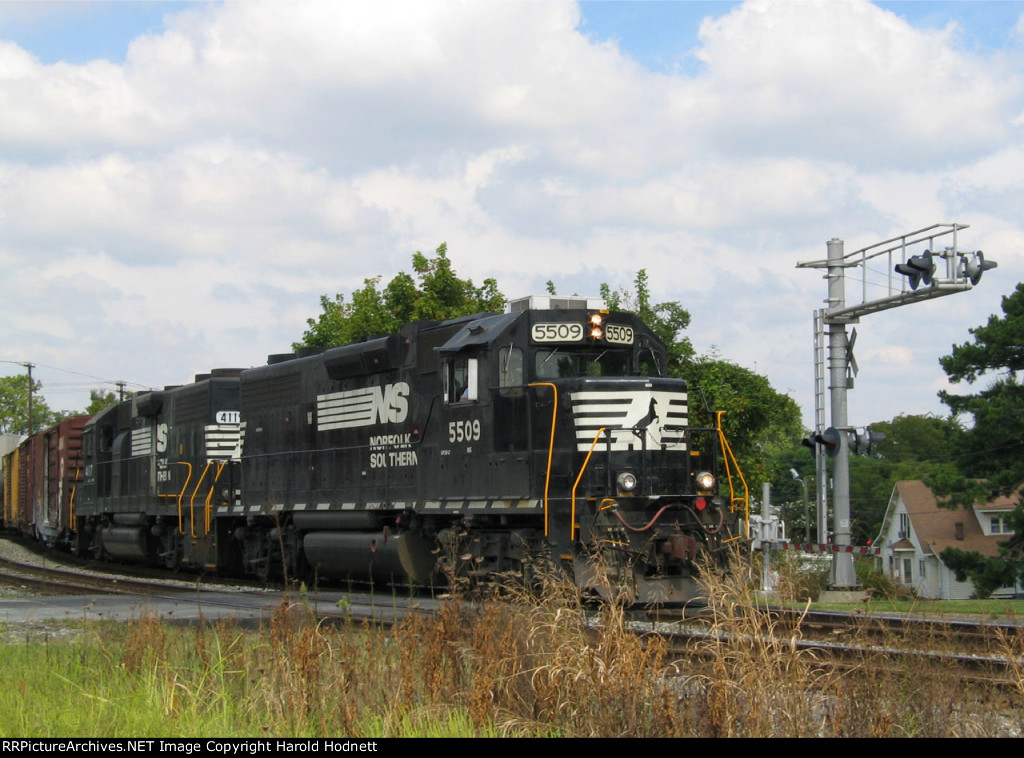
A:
916, 438
667, 320
878, 583
800, 579
993, 445
988, 452
98, 400
14, 395
986, 573
759, 422
915, 447
436, 293
997, 345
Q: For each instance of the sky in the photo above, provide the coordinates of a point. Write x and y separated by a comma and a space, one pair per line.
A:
181, 182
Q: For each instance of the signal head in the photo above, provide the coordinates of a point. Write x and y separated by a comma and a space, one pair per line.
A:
917, 269
862, 440
829, 439
976, 266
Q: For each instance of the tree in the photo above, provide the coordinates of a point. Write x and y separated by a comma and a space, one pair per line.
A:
98, 400
989, 451
993, 445
758, 421
987, 574
14, 396
915, 447
667, 320
439, 294
916, 438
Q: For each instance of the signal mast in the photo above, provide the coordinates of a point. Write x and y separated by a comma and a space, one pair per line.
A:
924, 275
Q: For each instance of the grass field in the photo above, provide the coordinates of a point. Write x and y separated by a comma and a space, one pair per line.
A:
514, 666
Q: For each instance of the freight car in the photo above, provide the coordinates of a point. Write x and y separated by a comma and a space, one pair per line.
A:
484, 445
41, 476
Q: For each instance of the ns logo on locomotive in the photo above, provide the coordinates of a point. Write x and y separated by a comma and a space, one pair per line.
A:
466, 447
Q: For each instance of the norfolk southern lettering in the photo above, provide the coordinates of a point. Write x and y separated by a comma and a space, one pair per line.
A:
392, 450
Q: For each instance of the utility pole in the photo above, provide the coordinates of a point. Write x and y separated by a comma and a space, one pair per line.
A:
963, 271
31, 420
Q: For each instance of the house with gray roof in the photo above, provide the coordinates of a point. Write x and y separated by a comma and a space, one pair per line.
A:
916, 529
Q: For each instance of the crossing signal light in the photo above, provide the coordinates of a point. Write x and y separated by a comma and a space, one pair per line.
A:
975, 267
918, 268
864, 439
828, 439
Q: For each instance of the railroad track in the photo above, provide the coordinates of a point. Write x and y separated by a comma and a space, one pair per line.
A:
47, 576
974, 651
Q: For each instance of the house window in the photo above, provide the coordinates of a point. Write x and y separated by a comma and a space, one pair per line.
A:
904, 526
920, 568
998, 525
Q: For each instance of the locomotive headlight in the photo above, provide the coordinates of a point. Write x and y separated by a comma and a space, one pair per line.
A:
705, 480
596, 321
626, 482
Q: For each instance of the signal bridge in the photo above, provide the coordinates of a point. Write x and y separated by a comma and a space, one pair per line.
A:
962, 271
939, 269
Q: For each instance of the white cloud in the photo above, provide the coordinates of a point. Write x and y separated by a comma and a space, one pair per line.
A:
847, 80
251, 156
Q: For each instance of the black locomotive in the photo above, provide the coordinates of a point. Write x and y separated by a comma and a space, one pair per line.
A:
464, 448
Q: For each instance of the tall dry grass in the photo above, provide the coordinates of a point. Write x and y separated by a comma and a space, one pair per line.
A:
522, 664
755, 679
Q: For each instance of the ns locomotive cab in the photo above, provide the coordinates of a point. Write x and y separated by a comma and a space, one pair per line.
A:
543, 432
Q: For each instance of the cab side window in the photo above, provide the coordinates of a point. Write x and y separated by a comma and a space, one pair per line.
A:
461, 380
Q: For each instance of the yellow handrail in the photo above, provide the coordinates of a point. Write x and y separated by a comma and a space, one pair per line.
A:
572, 523
727, 457
72, 518
182, 493
209, 495
551, 446
192, 502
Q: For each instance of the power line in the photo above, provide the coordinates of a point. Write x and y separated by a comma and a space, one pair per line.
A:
114, 382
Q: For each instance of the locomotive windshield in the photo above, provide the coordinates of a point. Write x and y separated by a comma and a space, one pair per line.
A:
563, 363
